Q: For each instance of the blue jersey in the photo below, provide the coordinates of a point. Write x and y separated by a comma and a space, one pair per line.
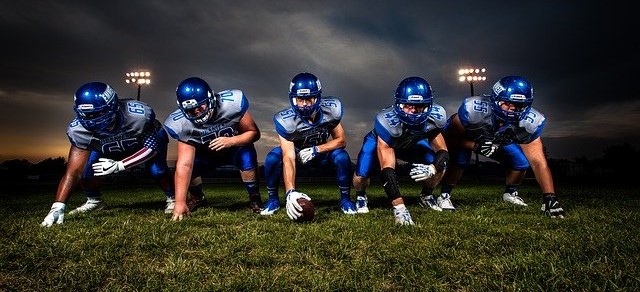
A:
230, 108
400, 135
476, 117
303, 134
136, 127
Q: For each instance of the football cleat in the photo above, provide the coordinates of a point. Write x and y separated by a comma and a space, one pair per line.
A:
402, 216
194, 202
428, 201
361, 204
255, 203
92, 204
513, 198
270, 207
551, 207
444, 202
171, 204
347, 206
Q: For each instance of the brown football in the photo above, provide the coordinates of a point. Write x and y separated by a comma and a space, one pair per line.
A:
308, 211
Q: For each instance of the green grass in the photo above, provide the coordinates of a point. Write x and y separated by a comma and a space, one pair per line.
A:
487, 245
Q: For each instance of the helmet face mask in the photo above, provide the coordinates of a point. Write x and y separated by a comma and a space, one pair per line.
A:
305, 94
96, 106
415, 95
511, 99
196, 100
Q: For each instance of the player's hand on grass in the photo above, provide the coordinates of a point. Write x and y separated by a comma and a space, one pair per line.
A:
180, 211
56, 215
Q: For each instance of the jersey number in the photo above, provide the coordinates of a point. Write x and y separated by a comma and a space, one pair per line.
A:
135, 108
225, 132
120, 146
392, 118
480, 106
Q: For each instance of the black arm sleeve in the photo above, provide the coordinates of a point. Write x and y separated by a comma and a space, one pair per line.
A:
442, 160
390, 183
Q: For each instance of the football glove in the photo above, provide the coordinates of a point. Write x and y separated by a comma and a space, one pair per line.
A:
486, 148
107, 166
293, 208
56, 215
551, 207
421, 172
305, 155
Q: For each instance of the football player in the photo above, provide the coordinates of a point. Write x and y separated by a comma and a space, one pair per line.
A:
409, 130
503, 126
212, 129
310, 134
108, 136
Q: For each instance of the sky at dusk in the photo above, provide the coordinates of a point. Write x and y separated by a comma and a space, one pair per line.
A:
578, 55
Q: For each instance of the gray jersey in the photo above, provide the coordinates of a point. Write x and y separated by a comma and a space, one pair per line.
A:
476, 116
134, 124
231, 106
292, 127
400, 135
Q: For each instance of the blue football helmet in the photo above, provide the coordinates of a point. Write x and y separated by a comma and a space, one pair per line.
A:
196, 100
96, 106
515, 90
305, 86
417, 92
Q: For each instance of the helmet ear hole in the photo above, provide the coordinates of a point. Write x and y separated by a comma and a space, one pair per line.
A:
416, 93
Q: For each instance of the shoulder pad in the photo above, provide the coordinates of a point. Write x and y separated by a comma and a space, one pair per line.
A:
232, 103
388, 124
438, 115
534, 121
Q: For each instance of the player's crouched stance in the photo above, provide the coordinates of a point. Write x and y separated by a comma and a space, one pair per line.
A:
502, 126
311, 135
108, 136
212, 130
409, 130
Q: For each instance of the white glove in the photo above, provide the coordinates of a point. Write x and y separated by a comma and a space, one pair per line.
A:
485, 148
421, 172
293, 208
305, 155
107, 166
56, 215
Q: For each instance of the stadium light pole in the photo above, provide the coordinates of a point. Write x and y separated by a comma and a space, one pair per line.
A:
139, 78
472, 75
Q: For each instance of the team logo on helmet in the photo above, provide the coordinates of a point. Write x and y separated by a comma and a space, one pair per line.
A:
109, 94
497, 88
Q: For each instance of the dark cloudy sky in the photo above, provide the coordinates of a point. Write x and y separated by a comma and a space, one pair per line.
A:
577, 54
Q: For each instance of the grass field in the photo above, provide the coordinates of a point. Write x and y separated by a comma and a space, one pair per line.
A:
487, 245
